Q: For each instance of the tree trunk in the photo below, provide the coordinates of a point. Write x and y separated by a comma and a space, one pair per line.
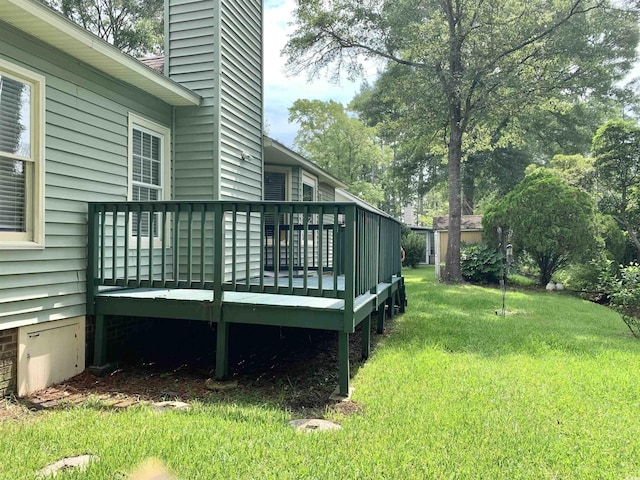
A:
452, 268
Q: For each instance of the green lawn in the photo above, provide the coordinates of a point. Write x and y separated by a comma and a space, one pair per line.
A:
455, 391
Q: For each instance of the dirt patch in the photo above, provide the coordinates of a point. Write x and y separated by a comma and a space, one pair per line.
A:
292, 369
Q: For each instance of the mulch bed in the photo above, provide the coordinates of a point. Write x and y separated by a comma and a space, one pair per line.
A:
292, 369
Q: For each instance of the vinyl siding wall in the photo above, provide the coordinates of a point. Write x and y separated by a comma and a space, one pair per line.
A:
214, 48
86, 160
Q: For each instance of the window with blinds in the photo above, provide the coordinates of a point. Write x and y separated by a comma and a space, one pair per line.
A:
21, 168
146, 181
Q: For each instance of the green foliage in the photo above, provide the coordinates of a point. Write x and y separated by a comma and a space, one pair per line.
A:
344, 146
133, 26
623, 291
415, 249
576, 170
480, 263
616, 146
550, 220
467, 68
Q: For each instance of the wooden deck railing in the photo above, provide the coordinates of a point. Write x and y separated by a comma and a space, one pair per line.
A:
294, 248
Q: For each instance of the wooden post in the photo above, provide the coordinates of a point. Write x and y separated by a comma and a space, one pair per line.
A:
222, 350
343, 362
366, 337
100, 343
380, 315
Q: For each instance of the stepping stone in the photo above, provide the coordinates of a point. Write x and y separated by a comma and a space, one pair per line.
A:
80, 462
314, 424
174, 405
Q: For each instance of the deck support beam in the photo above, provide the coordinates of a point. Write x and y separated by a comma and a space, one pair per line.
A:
222, 350
390, 303
343, 364
366, 337
100, 345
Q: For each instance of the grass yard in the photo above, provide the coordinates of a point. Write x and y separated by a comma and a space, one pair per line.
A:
551, 390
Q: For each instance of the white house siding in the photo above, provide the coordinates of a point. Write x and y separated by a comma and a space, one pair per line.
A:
86, 160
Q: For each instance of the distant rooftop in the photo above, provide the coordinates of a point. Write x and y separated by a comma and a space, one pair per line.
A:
157, 63
469, 222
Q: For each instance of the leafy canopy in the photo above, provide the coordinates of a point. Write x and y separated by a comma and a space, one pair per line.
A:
616, 147
133, 26
475, 60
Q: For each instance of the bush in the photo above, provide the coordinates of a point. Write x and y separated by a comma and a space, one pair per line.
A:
480, 264
415, 249
624, 295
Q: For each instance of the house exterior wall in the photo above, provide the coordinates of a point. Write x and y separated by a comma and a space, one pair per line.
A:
8, 361
327, 192
441, 239
215, 49
86, 159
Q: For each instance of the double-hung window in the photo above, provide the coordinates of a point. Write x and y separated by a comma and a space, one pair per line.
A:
21, 157
148, 170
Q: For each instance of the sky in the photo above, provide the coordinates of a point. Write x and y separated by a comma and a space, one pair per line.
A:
281, 91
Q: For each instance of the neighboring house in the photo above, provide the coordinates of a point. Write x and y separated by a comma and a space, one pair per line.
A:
82, 122
470, 232
409, 219
429, 243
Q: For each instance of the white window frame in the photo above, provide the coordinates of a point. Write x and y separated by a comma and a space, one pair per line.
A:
312, 181
136, 122
34, 237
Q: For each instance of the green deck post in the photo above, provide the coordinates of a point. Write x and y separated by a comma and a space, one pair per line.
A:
222, 333
380, 318
222, 350
366, 337
100, 345
343, 364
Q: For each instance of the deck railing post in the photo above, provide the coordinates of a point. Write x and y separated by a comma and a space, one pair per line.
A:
222, 329
92, 258
351, 223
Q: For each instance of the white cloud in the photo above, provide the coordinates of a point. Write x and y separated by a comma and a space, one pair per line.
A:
281, 91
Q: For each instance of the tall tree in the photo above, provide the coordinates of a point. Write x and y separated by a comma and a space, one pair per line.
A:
133, 26
476, 58
343, 145
616, 146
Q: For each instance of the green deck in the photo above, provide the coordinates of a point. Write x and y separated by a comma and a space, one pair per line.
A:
346, 253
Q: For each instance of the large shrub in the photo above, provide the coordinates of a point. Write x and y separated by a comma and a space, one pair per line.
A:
551, 221
415, 249
480, 263
623, 291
